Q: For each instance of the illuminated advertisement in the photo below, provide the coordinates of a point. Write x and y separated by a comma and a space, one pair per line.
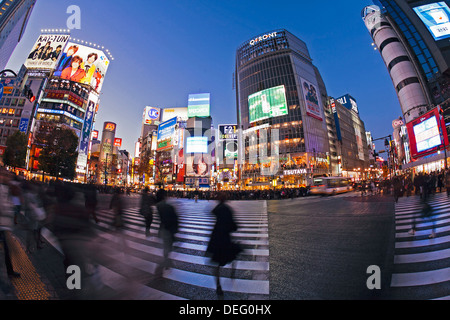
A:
436, 17
46, 51
152, 115
199, 105
118, 142
166, 132
197, 166
83, 65
228, 132
311, 98
231, 149
267, 104
197, 145
110, 126
169, 113
425, 134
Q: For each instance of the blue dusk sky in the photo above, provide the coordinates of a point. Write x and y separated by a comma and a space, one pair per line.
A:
165, 50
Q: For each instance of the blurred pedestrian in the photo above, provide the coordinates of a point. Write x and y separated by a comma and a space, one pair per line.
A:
397, 186
34, 214
90, 197
16, 196
146, 209
6, 222
117, 207
72, 228
221, 248
447, 182
426, 214
168, 226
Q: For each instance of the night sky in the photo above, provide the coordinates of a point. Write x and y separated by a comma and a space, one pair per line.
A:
165, 50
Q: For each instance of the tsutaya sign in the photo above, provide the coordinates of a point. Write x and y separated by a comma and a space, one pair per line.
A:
295, 172
262, 38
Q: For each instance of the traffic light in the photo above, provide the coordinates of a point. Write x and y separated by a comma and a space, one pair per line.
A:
28, 93
441, 112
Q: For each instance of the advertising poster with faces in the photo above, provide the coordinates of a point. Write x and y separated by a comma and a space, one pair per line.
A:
84, 65
46, 52
312, 102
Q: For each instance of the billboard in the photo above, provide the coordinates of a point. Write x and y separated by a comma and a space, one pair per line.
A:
197, 166
83, 64
199, 105
311, 98
118, 142
170, 113
152, 115
228, 132
166, 133
267, 104
197, 145
46, 51
436, 17
349, 102
425, 134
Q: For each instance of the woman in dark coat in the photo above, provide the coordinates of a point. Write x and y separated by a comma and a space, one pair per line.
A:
220, 247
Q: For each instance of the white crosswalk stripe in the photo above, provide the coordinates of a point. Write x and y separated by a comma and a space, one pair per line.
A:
421, 264
191, 275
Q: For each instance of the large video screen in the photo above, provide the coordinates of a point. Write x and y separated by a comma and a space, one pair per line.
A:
83, 65
436, 17
166, 133
425, 134
197, 145
269, 103
199, 105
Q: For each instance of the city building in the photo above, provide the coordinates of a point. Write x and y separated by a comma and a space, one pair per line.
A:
74, 75
198, 161
16, 107
352, 145
280, 106
14, 16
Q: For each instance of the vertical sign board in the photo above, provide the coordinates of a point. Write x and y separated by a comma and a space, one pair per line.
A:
425, 134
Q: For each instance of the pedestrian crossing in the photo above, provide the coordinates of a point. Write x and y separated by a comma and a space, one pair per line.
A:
128, 261
421, 269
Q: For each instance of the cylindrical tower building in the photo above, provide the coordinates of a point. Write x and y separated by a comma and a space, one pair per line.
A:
406, 79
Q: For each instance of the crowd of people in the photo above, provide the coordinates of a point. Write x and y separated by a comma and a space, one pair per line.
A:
69, 211
422, 184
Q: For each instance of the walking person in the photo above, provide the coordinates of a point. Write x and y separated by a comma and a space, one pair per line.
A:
117, 207
6, 222
146, 210
397, 185
168, 226
16, 196
426, 214
221, 248
34, 215
447, 182
90, 198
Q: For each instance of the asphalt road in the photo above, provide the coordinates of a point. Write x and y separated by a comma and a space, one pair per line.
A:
321, 248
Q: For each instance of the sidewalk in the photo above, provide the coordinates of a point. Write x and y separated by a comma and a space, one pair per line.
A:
40, 279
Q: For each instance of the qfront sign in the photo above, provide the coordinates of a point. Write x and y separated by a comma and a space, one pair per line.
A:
262, 38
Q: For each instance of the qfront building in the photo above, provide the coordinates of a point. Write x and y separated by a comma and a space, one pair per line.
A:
280, 113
